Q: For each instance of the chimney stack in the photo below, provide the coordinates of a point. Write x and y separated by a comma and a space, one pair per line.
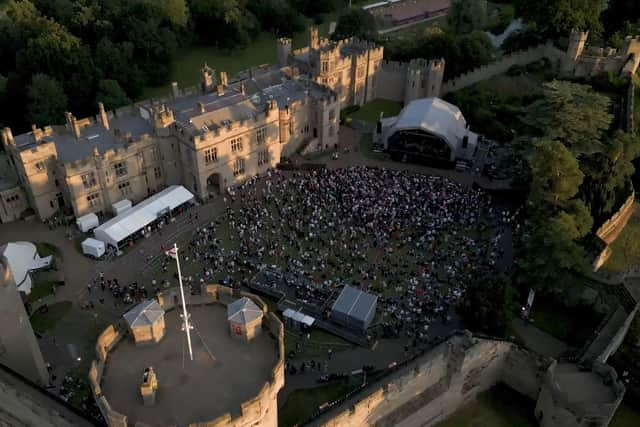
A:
242, 88
73, 124
220, 89
201, 108
175, 90
104, 119
36, 133
96, 153
224, 80
7, 136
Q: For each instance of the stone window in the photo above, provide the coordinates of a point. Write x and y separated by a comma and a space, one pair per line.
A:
325, 66
39, 166
157, 172
211, 155
12, 201
360, 72
263, 157
331, 131
261, 135
332, 115
236, 145
125, 188
238, 167
89, 180
120, 169
154, 154
94, 199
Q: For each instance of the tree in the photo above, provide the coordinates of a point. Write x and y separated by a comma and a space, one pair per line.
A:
227, 22
356, 22
573, 114
47, 101
487, 305
618, 12
111, 95
175, 11
559, 17
555, 175
466, 16
277, 16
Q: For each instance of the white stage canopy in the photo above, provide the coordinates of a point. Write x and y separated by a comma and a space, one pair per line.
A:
23, 258
144, 213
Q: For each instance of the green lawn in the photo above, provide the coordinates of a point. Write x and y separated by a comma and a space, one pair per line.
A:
370, 112
572, 325
41, 290
498, 407
46, 249
317, 345
625, 251
626, 416
302, 403
42, 322
189, 60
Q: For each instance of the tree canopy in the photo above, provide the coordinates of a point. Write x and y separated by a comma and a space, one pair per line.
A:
466, 16
559, 17
356, 22
47, 101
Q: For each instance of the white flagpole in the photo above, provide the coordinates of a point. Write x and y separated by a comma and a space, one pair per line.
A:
185, 315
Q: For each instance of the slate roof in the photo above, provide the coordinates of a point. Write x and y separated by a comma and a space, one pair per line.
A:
144, 314
243, 311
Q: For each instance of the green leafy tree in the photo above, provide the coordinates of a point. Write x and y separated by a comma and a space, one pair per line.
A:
111, 94
227, 22
47, 101
175, 11
356, 22
466, 16
487, 305
618, 12
573, 114
555, 174
559, 17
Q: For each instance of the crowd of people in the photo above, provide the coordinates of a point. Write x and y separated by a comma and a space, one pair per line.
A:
414, 240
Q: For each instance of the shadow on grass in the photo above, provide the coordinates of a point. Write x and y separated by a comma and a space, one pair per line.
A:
42, 322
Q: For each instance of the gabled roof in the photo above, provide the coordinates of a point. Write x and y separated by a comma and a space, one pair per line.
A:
355, 303
243, 311
144, 314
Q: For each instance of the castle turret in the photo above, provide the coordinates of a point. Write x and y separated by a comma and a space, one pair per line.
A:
577, 42
314, 38
224, 79
435, 73
104, 119
7, 136
284, 51
36, 133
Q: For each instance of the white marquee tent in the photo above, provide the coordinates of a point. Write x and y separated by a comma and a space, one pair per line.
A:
23, 258
144, 213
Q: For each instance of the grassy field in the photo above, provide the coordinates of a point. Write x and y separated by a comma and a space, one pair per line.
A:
302, 403
625, 251
42, 322
626, 416
41, 290
498, 407
46, 249
572, 325
370, 112
189, 60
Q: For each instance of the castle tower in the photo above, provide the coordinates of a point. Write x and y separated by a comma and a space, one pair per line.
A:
284, 51
314, 38
435, 73
19, 348
414, 82
207, 78
577, 42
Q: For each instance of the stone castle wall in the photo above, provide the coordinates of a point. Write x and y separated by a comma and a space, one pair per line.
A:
521, 58
440, 382
261, 409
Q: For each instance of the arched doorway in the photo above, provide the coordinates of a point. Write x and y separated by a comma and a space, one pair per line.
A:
213, 184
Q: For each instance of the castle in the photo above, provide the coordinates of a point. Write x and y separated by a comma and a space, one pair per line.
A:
226, 130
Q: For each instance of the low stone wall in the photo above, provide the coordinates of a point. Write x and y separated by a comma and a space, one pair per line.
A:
630, 101
521, 58
609, 231
261, 409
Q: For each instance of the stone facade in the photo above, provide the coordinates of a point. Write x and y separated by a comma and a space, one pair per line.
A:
584, 60
206, 139
431, 388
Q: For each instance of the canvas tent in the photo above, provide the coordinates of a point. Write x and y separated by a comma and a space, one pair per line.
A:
297, 319
146, 322
354, 308
23, 258
93, 247
121, 206
245, 318
117, 229
87, 222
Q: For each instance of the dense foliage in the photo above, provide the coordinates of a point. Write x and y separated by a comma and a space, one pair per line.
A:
558, 17
85, 51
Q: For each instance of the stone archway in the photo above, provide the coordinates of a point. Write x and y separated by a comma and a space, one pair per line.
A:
213, 184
